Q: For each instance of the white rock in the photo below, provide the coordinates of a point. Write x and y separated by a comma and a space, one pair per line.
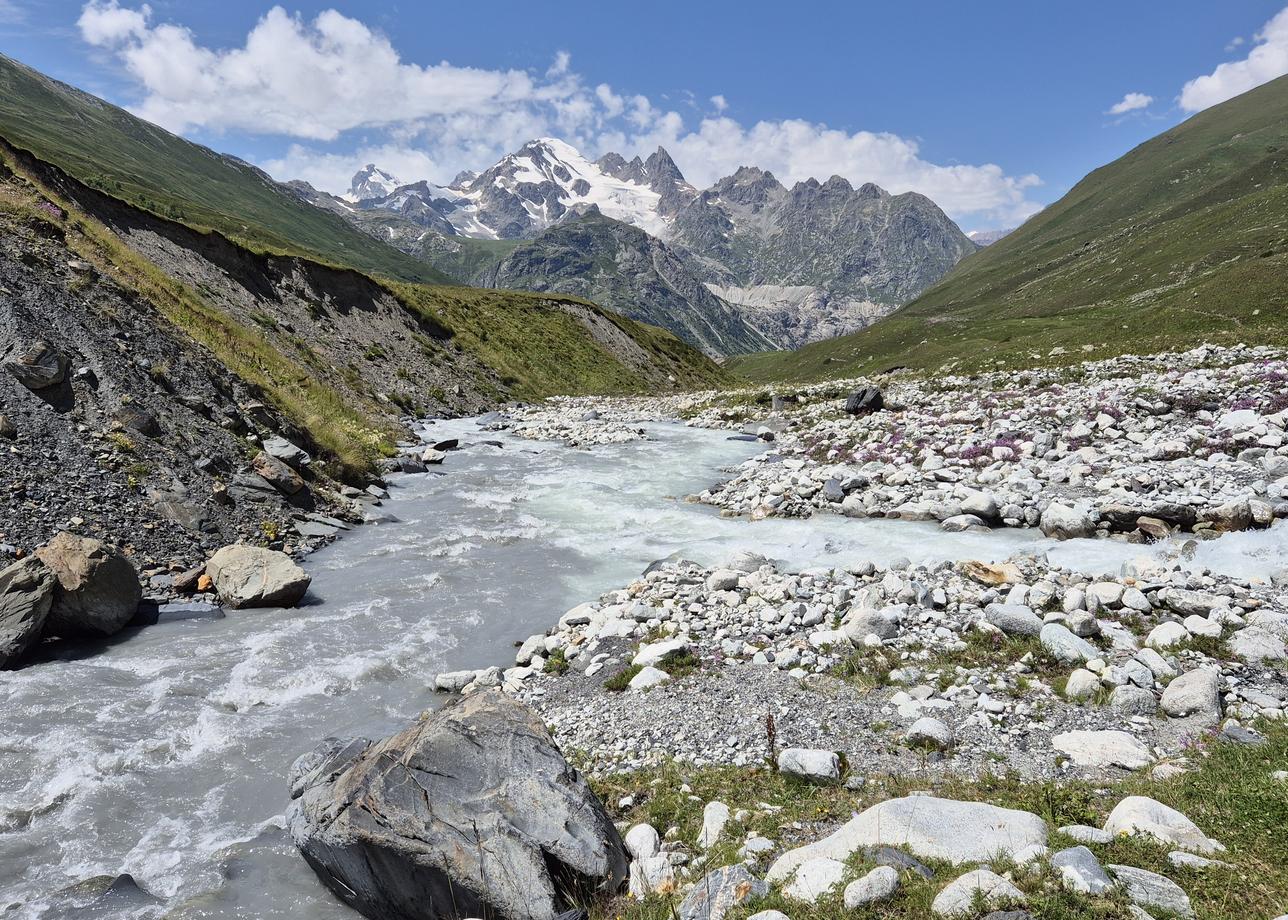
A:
1149, 889
815, 878
878, 885
930, 827
1165, 635
814, 765
959, 897
1138, 814
648, 677
1081, 685
642, 841
714, 818
1196, 692
653, 653
1102, 749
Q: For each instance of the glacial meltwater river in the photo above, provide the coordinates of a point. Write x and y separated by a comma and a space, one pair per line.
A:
164, 754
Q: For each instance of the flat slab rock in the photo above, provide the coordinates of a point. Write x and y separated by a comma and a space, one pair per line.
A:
471, 812
930, 827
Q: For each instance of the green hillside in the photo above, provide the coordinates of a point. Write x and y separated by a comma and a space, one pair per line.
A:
1184, 239
110, 149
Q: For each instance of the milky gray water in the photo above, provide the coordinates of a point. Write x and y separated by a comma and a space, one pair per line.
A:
164, 754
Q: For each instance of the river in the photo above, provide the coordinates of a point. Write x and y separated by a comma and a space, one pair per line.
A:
163, 754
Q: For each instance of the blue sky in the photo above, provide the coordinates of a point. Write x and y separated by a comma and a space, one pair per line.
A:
991, 108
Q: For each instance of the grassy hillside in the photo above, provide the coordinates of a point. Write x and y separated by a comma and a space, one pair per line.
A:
1184, 239
490, 345
109, 149
551, 344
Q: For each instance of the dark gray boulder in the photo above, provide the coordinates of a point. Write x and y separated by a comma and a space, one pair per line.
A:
38, 366
861, 402
471, 812
26, 595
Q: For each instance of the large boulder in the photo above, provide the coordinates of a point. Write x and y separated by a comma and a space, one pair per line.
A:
933, 828
97, 590
1138, 814
278, 473
26, 595
864, 401
251, 576
471, 812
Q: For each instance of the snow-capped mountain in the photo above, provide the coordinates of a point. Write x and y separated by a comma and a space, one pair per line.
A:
800, 263
531, 189
371, 182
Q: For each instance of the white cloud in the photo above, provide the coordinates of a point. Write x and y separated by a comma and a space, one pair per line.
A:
1130, 103
1267, 59
343, 94
1234, 43
104, 23
561, 64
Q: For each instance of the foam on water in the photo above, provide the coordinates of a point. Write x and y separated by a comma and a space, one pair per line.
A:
165, 754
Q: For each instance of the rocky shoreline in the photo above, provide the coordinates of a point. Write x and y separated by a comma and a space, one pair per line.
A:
948, 673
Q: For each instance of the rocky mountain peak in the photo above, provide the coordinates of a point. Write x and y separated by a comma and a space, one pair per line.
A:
371, 182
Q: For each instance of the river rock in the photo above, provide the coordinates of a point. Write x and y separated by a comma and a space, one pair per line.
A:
1080, 871
878, 885
930, 827
251, 576
642, 841
1102, 749
1065, 523
470, 812
814, 765
1013, 619
720, 891
1196, 692
1063, 644
814, 878
1138, 814
97, 590
26, 596
959, 897
1149, 889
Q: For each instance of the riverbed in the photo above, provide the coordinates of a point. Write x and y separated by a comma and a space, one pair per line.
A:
164, 753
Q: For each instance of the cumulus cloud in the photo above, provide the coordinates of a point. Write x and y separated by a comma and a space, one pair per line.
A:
1266, 60
343, 96
1131, 102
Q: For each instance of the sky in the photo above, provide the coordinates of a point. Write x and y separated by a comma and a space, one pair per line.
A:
993, 108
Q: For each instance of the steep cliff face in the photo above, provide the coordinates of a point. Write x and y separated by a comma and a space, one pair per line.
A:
625, 269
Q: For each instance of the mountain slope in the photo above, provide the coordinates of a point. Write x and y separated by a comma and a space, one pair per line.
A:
340, 356
625, 269
861, 252
110, 149
1183, 239
800, 264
